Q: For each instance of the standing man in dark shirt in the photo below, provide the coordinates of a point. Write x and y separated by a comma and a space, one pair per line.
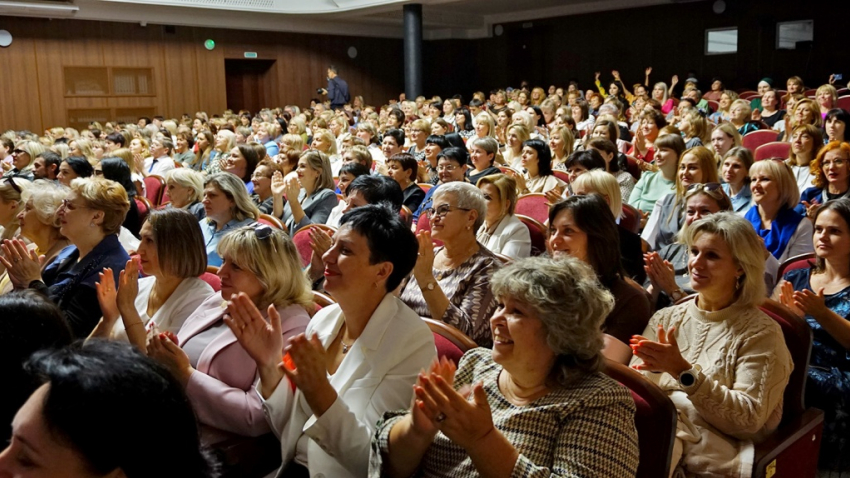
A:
337, 90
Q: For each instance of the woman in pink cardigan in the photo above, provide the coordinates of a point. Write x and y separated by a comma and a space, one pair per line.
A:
218, 374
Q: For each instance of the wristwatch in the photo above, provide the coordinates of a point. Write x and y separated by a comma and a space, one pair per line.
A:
688, 378
431, 285
677, 295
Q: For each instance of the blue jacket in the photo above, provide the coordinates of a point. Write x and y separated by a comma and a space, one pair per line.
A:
338, 92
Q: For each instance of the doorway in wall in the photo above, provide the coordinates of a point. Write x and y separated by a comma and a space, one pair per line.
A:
247, 83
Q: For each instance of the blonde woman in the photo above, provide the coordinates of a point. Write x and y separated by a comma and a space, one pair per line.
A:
740, 115
561, 143
11, 204
291, 142
723, 138
225, 141
517, 134
501, 232
227, 207
83, 147
23, 157
826, 97
309, 194
185, 188
694, 128
725, 103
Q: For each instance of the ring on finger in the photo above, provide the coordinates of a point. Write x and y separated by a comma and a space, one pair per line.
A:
441, 417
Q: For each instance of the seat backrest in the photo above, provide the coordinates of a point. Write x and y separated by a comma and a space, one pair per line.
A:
655, 420
537, 231
425, 186
631, 219
633, 168
406, 215
798, 338
154, 187
843, 103
533, 205
301, 238
797, 262
212, 279
446, 348
322, 300
714, 105
144, 207
453, 335
424, 224
755, 139
508, 171
562, 175
776, 149
272, 221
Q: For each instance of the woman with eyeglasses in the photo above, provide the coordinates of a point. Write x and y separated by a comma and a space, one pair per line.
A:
219, 375
90, 217
358, 358
38, 222
696, 165
227, 207
721, 361
786, 232
821, 295
264, 197
171, 256
832, 180
23, 157
450, 283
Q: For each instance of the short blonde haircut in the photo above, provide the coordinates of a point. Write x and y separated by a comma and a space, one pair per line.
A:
525, 119
833, 93
699, 126
329, 138
231, 140
188, 178
300, 125
468, 197
817, 119
320, 162
779, 171
361, 155
106, 196
745, 245
367, 127
605, 184
743, 104
296, 142
233, 187
274, 261
521, 132
506, 186
46, 197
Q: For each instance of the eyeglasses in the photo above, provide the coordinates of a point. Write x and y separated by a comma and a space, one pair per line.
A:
69, 206
715, 190
447, 167
442, 210
16, 152
14, 186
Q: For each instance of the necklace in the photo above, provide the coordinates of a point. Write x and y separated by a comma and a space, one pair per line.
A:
345, 347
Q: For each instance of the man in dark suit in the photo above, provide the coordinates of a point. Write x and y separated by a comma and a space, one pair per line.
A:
337, 90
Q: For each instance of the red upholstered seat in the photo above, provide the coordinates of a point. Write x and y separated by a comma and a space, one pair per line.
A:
424, 224
450, 342
631, 219
796, 262
843, 103
755, 139
776, 149
537, 232
272, 221
154, 188
562, 175
445, 348
533, 205
655, 420
212, 279
301, 238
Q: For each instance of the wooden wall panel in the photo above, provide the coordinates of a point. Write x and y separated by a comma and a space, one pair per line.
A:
19, 83
179, 71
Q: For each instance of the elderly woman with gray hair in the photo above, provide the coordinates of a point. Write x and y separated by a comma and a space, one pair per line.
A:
535, 405
451, 282
721, 360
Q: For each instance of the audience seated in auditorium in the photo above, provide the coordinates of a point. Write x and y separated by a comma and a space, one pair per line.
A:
786, 233
90, 217
735, 173
482, 156
722, 361
402, 168
358, 358
261, 263
171, 255
501, 232
72, 168
227, 207
452, 163
820, 295
831, 178
310, 193
583, 227
500, 412
806, 143
451, 283
241, 162
185, 189
115, 169
654, 185
696, 165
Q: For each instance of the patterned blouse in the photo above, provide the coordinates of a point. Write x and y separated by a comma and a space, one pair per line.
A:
471, 303
583, 430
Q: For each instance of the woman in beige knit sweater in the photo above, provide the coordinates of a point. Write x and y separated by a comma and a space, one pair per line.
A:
722, 361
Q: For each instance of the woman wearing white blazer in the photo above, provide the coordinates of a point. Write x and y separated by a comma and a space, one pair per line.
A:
502, 232
358, 359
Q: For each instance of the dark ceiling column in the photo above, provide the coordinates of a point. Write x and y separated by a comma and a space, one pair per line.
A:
412, 50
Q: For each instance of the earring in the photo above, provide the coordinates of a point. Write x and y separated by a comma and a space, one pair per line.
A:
91, 224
